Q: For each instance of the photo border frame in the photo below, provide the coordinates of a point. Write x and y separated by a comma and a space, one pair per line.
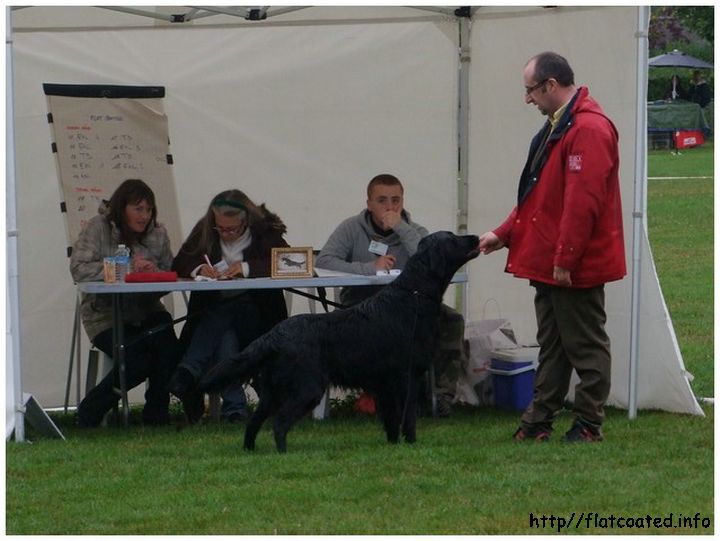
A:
276, 253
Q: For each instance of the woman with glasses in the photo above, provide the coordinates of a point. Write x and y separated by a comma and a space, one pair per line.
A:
151, 345
233, 240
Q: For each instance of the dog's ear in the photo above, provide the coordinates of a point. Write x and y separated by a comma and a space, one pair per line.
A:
436, 247
437, 263
432, 239
425, 242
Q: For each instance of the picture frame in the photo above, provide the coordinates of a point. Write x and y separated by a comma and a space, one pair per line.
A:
292, 262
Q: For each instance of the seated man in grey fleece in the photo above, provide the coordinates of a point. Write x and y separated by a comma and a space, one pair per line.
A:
383, 237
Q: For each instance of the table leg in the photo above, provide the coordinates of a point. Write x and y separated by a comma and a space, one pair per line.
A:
322, 410
119, 354
75, 336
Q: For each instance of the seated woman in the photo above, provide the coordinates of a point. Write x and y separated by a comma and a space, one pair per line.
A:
239, 235
129, 218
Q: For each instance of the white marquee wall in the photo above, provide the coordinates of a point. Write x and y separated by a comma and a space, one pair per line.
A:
501, 128
300, 117
301, 114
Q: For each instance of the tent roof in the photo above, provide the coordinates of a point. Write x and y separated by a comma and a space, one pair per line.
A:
143, 16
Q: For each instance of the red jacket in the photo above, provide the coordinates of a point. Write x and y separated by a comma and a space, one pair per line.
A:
569, 213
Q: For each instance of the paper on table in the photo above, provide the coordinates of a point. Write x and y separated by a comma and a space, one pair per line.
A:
221, 266
391, 272
323, 273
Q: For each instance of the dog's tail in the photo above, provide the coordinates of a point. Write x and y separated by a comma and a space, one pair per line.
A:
240, 367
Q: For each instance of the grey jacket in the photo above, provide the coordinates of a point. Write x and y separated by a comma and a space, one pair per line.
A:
99, 239
347, 250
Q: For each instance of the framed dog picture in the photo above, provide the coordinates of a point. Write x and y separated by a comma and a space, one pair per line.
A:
292, 262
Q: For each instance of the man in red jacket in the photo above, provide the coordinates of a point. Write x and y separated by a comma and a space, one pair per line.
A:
566, 236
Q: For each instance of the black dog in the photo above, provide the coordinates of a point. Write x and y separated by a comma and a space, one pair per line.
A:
382, 345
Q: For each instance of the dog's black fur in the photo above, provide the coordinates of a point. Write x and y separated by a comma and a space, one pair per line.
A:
382, 345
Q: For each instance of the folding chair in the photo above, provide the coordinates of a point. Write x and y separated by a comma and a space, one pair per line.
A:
98, 363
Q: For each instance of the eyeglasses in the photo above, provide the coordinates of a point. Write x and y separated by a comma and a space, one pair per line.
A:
530, 89
235, 229
141, 209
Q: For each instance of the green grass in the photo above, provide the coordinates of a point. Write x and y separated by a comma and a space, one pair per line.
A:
463, 476
680, 223
691, 162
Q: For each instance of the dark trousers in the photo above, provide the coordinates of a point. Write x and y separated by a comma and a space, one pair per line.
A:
149, 354
223, 331
571, 334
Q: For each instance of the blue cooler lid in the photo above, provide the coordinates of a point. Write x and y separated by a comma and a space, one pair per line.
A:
508, 366
512, 359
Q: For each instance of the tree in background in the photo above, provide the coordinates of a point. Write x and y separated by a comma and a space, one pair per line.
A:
689, 29
699, 19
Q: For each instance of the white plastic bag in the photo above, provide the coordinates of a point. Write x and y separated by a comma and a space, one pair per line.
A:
483, 337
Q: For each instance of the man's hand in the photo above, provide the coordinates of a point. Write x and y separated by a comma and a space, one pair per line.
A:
562, 276
390, 219
489, 242
385, 262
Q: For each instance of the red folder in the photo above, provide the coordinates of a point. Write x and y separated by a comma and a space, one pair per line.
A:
170, 276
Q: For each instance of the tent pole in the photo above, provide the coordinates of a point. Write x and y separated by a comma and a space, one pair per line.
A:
12, 233
463, 121
640, 203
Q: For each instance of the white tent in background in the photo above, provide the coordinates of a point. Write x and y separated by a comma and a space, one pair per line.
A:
302, 108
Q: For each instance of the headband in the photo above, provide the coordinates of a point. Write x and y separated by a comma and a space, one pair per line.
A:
228, 203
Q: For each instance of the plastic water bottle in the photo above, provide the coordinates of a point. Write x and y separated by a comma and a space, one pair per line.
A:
122, 262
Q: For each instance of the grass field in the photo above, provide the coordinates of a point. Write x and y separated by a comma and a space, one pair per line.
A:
680, 223
464, 475
691, 162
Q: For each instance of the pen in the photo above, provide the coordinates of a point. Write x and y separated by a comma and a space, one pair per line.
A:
213, 272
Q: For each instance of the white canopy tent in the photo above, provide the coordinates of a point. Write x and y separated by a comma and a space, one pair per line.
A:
301, 109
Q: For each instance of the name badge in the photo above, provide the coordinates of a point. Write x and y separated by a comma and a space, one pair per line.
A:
378, 248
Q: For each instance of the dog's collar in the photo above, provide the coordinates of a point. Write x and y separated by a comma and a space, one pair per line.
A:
416, 292
419, 293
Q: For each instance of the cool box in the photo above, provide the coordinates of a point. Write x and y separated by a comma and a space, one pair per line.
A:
513, 371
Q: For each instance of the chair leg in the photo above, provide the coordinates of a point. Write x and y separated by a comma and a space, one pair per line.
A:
431, 391
214, 406
92, 369
322, 410
312, 305
288, 301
